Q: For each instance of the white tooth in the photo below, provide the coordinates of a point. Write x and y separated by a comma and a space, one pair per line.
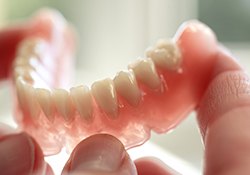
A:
31, 102
126, 86
63, 103
105, 96
44, 99
166, 55
39, 82
31, 46
20, 93
149, 52
82, 99
26, 98
24, 72
144, 70
30, 75
21, 61
162, 43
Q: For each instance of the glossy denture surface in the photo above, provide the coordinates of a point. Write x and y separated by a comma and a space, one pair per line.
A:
152, 95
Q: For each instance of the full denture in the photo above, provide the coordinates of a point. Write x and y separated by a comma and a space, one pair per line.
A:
155, 93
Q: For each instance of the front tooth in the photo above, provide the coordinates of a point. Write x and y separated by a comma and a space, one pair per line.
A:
44, 99
31, 46
166, 55
26, 98
145, 71
126, 86
32, 104
63, 103
105, 96
83, 101
20, 83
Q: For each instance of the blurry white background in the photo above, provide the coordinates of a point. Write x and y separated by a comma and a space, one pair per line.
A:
112, 33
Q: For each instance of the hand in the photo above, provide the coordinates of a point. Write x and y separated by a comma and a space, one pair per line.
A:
223, 115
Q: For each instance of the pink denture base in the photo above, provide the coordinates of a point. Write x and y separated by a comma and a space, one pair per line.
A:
159, 110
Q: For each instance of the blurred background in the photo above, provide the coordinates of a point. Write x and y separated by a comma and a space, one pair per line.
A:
112, 33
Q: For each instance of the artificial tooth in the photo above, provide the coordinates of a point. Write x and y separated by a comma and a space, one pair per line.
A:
63, 103
24, 72
31, 102
20, 93
166, 55
144, 70
126, 86
20, 61
83, 101
31, 47
44, 99
162, 43
105, 96
26, 98
149, 52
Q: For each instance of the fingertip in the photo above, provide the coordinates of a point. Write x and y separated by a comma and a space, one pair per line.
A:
99, 154
20, 155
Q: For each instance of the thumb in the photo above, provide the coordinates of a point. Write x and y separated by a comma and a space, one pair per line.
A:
20, 154
99, 155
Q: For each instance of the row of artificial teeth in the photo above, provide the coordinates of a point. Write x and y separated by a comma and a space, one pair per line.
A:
165, 54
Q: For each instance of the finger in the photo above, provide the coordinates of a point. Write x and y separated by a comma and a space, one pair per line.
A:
150, 165
20, 154
99, 155
224, 118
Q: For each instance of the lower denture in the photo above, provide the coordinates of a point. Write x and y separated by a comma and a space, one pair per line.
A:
159, 94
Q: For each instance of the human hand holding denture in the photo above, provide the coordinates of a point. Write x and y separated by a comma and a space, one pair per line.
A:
190, 72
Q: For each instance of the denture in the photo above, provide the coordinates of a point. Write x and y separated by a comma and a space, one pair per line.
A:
155, 93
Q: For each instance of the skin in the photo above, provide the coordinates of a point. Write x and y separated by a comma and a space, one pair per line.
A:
224, 124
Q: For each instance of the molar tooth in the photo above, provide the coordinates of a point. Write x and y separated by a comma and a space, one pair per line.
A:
82, 99
162, 43
24, 72
166, 55
22, 67
149, 52
105, 95
21, 61
145, 71
31, 46
126, 86
44, 99
63, 103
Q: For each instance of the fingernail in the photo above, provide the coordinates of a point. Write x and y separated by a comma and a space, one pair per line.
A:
98, 153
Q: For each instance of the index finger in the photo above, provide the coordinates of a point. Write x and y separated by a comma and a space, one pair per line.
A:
224, 119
